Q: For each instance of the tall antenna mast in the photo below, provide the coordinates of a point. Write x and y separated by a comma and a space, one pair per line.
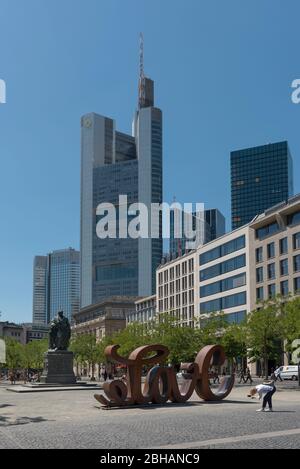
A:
142, 73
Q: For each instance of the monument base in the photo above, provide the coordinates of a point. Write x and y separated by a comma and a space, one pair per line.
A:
58, 368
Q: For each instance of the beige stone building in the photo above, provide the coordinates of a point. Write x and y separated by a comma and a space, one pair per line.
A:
105, 318
235, 272
175, 291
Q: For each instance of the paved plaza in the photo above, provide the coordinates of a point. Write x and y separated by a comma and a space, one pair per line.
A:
73, 419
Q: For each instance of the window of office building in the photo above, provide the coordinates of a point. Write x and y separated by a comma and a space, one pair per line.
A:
191, 265
259, 254
268, 230
284, 288
297, 285
284, 267
271, 271
223, 250
236, 318
259, 275
178, 270
294, 218
271, 290
223, 285
271, 250
283, 245
296, 241
297, 263
260, 293
223, 268
223, 303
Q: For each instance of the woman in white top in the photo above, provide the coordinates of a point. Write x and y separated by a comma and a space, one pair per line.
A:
266, 392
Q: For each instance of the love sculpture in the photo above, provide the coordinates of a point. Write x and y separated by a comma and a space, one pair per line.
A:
161, 382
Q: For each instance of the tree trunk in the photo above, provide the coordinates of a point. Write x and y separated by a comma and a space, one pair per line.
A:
266, 367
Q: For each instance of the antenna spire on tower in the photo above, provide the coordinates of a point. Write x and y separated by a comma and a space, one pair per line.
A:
142, 73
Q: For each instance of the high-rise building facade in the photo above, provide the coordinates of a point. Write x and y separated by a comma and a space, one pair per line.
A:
114, 164
261, 177
210, 225
63, 282
39, 309
56, 285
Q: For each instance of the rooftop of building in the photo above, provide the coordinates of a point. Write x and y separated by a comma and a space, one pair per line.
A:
111, 301
260, 148
146, 298
285, 206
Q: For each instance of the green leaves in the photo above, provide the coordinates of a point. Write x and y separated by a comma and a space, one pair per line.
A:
26, 356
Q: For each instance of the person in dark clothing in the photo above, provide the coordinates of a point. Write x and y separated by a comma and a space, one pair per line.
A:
248, 376
268, 397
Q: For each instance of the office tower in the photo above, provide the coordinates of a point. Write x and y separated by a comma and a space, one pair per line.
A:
260, 178
63, 282
211, 225
216, 222
39, 309
114, 164
56, 285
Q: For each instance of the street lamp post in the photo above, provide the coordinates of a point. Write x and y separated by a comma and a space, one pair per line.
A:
299, 373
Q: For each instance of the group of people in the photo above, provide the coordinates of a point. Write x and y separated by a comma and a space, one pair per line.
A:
13, 376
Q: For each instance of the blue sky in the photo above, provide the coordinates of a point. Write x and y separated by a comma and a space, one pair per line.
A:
222, 71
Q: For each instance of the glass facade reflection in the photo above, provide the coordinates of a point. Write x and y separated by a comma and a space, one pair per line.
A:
260, 178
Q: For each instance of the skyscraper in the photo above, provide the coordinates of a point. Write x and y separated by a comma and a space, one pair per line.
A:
56, 285
211, 226
260, 178
39, 309
63, 282
113, 164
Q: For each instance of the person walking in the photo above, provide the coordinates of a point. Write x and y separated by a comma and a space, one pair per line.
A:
248, 376
242, 376
216, 377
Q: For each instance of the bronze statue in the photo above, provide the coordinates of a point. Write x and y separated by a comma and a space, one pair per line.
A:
60, 333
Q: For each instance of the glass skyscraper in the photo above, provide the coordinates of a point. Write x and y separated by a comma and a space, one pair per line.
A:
113, 164
260, 178
211, 226
56, 285
39, 309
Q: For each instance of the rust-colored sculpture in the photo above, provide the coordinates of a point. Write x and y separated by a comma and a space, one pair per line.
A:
161, 382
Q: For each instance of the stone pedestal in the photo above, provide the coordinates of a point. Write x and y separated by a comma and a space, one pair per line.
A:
58, 368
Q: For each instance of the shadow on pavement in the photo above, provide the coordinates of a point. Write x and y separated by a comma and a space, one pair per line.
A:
6, 405
7, 421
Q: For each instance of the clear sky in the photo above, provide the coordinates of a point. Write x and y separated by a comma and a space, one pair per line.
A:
222, 72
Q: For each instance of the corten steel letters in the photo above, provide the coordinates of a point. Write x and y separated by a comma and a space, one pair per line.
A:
161, 382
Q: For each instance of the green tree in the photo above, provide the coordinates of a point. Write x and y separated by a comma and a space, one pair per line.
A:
34, 354
14, 354
234, 342
87, 350
265, 332
181, 341
291, 323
